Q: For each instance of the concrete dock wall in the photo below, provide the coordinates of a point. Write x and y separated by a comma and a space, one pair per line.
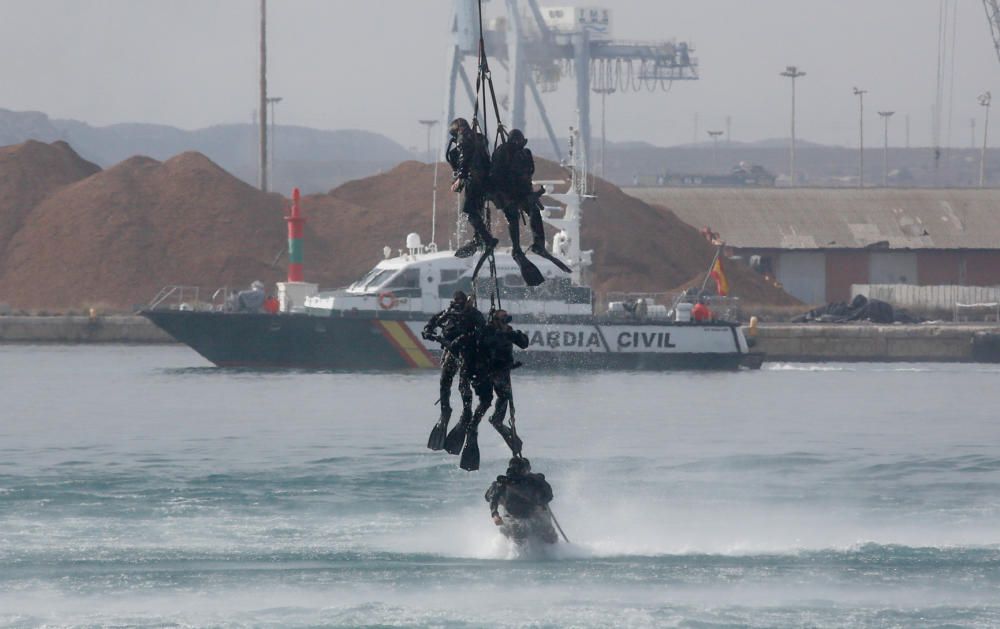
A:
80, 329
883, 343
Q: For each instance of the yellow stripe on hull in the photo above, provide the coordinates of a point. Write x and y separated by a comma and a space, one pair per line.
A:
411, 347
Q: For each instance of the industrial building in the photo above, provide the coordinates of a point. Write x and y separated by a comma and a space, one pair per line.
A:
818, 242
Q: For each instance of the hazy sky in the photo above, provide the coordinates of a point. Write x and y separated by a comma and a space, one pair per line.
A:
380, 64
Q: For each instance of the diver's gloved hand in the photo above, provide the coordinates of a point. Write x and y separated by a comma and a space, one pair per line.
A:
497, 519
427, 335
458, 185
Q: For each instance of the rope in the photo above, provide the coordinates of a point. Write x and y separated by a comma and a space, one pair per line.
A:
484, 81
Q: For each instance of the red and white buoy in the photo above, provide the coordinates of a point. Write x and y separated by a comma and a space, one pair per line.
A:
295, 231
292, 294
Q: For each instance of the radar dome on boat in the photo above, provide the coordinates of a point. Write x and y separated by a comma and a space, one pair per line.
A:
413, 241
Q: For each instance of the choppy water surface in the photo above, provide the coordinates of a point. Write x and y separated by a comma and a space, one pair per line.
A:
140, 487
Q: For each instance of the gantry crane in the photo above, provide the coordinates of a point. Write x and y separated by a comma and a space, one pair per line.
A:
540, 45
993, 15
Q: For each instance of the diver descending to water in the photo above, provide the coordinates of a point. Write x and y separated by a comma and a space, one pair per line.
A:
524, 498
468, 156
511, 171
490, 376
460, 327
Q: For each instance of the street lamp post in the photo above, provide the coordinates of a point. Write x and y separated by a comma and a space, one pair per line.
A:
272, 101
715, 148
984, 99
793, 73
885, 148
430, 124
603, 91
861, 130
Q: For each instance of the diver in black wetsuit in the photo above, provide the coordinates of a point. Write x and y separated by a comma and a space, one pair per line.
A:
511, 171
494, 359
524, 497
496, 348
469, 157
460, 326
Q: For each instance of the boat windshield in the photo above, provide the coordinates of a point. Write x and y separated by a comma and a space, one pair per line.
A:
372, 279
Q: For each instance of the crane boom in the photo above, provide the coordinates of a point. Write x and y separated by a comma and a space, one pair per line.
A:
993, 15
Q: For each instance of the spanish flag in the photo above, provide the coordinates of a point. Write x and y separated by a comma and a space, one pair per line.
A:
721, 283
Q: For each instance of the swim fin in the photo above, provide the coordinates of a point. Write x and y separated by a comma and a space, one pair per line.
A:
510, 438
532, 276
456, 438
543, 252
470, 453
440, 431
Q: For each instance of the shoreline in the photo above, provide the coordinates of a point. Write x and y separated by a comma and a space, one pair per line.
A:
830, 342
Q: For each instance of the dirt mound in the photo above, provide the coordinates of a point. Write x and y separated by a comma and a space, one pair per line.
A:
120, 235
28, 173
637, 248
116, 237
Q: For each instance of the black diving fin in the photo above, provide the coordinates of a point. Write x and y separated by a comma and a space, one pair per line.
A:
439, 432
543, 252
456, 438
532, 276
470, 453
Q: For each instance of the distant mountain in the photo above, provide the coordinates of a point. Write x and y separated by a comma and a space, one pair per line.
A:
313, 159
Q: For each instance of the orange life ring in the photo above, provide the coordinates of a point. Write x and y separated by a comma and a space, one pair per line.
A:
387, 301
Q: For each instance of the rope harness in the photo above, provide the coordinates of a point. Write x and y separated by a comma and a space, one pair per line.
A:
484, 83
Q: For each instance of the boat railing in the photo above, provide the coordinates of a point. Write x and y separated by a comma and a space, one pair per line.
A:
174, 296
178, 297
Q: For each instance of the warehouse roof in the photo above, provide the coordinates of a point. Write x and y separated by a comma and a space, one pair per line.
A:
837, 218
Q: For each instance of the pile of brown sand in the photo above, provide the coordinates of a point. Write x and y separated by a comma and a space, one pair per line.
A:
75, 235
120, 235
28, 173
637, 248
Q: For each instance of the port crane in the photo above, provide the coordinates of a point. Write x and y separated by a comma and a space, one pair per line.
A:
538, 46
993, 16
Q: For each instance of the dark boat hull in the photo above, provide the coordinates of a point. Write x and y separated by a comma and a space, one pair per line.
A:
365, 342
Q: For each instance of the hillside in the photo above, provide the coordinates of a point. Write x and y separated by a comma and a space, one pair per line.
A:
76, 235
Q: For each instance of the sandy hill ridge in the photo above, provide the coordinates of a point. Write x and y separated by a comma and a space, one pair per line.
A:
116, 237
637, 248
119, 235
28, 173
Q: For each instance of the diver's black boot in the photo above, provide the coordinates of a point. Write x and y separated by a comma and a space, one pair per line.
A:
456, 438
471, 247
440, 430
470, 453
512, 440
467, 249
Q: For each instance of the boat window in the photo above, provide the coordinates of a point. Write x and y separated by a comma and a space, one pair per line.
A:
513, 280
366, 278
378, 278
449, 275
410, 278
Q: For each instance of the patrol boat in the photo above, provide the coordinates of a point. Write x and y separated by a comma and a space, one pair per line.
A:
376, 322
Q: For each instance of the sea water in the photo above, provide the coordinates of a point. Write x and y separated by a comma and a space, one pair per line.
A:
139, 486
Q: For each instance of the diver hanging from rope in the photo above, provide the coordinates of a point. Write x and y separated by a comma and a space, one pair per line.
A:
474, 178
469, 158
490, 376
511, 171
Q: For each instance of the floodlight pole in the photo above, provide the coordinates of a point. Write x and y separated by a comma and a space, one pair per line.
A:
861, 130
885, 148
793, 73
984, 99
